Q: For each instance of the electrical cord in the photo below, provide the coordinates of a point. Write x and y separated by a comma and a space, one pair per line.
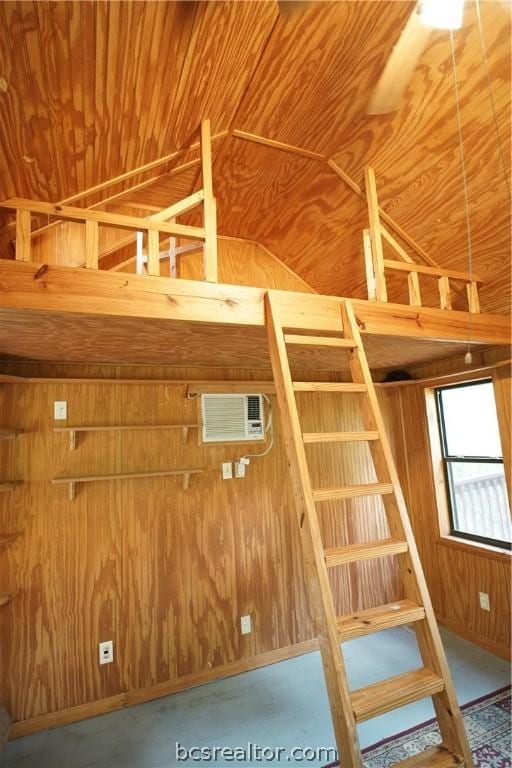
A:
464, 186
268, 427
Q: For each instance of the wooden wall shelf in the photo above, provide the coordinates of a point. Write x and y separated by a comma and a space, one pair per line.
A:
9, 434
6, 597
9, 485
8, 538
72, 481
72, 431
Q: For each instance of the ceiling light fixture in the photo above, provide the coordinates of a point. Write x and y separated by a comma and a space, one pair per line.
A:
442, 14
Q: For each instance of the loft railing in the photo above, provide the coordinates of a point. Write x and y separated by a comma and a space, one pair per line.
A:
482, 505
376, 265
163, 222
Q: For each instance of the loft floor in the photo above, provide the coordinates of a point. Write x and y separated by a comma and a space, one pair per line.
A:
64, 314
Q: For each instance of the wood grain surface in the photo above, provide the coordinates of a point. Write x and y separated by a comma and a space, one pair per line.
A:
164, 573
96, 90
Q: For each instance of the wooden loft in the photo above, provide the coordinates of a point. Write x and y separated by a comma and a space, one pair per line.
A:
161, 227
56, 313
155, 320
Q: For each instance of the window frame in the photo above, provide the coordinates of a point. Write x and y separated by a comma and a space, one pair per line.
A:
448, 459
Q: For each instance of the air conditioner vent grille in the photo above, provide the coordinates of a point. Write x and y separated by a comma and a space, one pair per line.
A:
232, 418
254, 407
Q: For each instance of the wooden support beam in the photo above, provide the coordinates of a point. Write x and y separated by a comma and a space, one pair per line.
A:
210, 208
179, 208
368, 264
92, 240
71, 290
23, 236
414, 289
375, 233
445, 297
278, 145
473, 301
153, 253
395, 245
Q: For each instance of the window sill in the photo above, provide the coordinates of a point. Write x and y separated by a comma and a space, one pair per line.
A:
475, 548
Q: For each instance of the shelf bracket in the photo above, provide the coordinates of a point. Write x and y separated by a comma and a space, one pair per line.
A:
72, 490
184, 434
186, 481
72, 441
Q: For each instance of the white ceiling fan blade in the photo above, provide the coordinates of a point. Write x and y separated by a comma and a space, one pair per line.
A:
399, 67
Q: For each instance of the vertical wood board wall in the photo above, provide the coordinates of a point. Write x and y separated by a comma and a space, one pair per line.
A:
455, 575
164, 573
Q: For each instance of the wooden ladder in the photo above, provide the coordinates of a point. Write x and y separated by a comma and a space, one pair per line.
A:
351, 707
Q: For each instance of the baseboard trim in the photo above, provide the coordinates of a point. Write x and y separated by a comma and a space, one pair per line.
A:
129, 698
484, 642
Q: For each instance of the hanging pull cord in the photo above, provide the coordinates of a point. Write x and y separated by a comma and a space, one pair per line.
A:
491, 97
464, 184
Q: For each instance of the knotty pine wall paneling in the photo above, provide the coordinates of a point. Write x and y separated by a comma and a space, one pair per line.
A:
164, 573
455, 575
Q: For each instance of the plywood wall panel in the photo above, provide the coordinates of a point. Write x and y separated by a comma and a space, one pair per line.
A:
164, 573
455, 576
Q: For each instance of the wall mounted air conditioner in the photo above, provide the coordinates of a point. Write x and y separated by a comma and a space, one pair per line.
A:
234, 418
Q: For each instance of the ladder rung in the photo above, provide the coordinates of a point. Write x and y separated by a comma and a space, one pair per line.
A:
338, 437
351, 491
328, 386
435, 757
394, 692
319, 341
376, 619
354, 552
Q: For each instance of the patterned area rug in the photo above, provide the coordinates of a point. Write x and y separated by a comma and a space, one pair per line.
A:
488, 724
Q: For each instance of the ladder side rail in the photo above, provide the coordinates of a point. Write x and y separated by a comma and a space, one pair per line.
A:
429, 639
321, 602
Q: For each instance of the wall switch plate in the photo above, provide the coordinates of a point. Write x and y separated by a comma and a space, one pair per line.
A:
106, 651
485, 605
239, 469
60, 410
245, 625
227, 470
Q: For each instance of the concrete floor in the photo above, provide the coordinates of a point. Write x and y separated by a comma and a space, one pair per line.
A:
283, 705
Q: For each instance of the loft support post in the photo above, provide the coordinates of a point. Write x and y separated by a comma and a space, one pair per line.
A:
23, 235
320, 595
473, 301
375, 233
368, 266
91, 244
209, 207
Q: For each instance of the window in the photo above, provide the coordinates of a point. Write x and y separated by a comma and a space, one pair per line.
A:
473, 463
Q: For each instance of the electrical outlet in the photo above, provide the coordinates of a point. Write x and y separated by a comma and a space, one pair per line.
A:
227, 470
245, 625
60, 410
239, 469
485, 605
106, 652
